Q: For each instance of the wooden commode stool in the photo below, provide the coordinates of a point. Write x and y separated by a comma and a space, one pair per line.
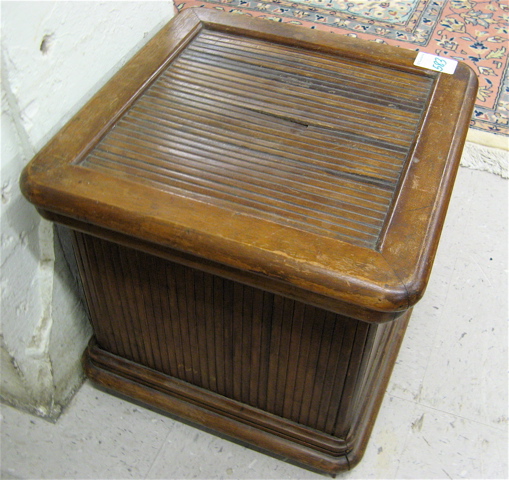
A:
256, 208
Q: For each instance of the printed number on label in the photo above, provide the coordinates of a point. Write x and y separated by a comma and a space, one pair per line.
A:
432, 62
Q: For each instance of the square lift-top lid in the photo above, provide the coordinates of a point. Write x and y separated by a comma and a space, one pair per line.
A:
316, 161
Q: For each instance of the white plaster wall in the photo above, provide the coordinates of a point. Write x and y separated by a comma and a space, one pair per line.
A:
55, 56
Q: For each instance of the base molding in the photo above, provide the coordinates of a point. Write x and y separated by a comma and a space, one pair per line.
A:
250, 426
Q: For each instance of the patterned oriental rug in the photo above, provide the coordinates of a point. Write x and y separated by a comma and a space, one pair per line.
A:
472, 31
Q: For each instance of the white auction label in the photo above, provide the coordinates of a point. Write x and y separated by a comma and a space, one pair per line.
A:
432, 62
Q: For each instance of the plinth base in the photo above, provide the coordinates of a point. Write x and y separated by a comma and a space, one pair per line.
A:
251, 426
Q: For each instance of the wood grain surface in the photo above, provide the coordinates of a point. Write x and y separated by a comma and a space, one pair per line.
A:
318, 161
281, 356
305, 140
279, 374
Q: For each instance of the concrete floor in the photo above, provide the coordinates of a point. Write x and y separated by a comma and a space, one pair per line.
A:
444, 414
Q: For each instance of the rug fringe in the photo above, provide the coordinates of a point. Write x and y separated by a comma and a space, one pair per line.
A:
488, 159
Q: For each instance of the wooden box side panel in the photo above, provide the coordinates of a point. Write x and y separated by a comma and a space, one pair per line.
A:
276, 354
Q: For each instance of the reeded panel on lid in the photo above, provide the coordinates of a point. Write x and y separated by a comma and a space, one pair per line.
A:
301, 138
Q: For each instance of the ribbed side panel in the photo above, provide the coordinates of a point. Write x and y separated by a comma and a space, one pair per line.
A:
276, 354
304, 139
